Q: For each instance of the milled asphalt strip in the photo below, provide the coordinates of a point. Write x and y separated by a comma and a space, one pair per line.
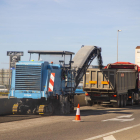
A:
113, 132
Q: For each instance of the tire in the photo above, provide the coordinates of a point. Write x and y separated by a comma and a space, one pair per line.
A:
137, 102
131, 101
89, 103
117, 104
49, 110
124, 100
121, 100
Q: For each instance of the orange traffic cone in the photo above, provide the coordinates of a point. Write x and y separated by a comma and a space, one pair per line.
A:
77, 118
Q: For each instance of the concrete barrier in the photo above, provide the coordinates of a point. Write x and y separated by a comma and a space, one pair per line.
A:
6, 105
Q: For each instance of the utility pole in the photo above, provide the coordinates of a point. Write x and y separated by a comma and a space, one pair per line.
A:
117, 42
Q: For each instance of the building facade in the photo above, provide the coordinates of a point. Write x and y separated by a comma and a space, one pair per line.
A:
137, 55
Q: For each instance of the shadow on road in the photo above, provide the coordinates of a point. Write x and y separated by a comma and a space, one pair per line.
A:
10, 118
84, 111
100, 110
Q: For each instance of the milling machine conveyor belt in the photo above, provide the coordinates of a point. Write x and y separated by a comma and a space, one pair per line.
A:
83, 59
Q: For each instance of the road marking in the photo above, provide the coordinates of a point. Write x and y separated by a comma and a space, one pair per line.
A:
113, 132
125, 116
120, 118
109, 138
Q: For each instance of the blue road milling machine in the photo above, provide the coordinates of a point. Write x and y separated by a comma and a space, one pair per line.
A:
45, 87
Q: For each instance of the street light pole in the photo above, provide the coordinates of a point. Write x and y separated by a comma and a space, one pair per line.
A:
117, 43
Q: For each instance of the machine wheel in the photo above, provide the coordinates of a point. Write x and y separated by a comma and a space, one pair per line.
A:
46, 109
71, 107
19, 109
71, 100
15, 108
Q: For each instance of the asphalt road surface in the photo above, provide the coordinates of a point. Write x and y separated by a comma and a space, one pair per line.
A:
99, 123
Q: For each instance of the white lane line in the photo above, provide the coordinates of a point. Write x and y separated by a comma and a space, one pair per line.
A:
123, 118
113, 132
109, 138
117, 119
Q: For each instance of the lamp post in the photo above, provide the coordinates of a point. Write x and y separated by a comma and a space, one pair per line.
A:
117, 43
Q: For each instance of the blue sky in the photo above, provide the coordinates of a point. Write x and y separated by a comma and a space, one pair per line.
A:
68, 24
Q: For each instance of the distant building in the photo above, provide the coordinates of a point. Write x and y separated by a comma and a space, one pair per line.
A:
137, 55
